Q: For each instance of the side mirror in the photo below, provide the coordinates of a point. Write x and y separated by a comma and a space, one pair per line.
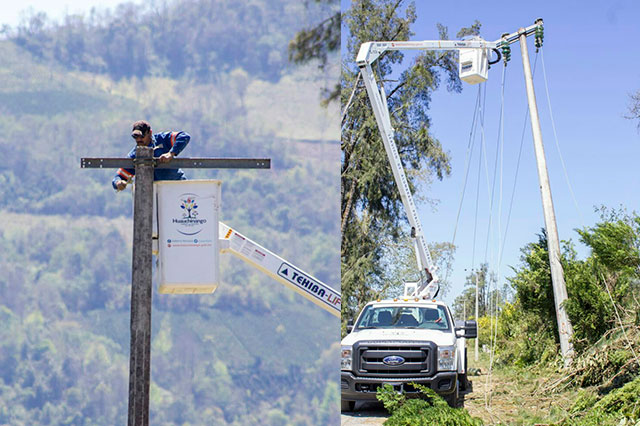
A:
349, 325
469, 329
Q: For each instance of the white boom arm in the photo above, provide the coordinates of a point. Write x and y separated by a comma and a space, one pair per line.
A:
231, 241
378, 100
370, 51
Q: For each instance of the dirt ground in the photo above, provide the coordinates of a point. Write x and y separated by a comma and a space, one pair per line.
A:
510, 397
515, 397
500, 408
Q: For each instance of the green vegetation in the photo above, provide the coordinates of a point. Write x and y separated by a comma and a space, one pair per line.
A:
601, 387
609, 276
253, 352
545, 394
428, 410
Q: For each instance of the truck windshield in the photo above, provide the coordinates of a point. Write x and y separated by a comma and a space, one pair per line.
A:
433, 318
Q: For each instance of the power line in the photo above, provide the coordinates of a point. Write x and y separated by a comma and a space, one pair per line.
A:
515, 179
353, 92
555, 135
467, 163
494, 311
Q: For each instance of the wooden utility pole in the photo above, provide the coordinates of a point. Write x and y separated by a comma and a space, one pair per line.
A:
141, 285
565, 329
140, 355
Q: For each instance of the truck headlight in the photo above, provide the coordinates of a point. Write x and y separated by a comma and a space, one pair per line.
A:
446, 358
345, 363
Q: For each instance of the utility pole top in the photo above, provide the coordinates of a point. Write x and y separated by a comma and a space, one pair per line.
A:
141, 294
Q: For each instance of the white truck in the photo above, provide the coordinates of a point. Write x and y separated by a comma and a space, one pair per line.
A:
413, 339
403, 341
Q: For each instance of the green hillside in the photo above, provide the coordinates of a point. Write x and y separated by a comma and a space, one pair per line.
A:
253, 352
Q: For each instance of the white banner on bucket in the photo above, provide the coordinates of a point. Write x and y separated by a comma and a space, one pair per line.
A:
188, 213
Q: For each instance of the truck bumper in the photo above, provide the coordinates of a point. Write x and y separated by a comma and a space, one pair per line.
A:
355, 388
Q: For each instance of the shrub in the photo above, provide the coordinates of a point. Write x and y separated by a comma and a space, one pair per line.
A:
428, 410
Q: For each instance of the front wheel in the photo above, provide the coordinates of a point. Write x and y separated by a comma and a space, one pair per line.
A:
453, 399
347, 405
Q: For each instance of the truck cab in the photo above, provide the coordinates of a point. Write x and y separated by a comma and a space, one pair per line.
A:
403, 341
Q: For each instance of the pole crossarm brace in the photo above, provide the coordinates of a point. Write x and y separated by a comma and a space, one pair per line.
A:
370, 51
180, 163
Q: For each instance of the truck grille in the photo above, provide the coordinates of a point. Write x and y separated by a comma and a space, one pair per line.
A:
417, 355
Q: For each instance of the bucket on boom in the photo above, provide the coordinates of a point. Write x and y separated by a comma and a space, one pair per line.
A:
185, 232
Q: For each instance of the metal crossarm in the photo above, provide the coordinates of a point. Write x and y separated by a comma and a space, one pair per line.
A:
182, 163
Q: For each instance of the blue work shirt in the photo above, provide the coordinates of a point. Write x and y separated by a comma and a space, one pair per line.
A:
162, 143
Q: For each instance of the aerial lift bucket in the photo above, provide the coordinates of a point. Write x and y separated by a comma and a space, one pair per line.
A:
186, 215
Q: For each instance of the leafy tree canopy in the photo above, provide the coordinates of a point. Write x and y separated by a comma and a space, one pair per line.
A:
607, 279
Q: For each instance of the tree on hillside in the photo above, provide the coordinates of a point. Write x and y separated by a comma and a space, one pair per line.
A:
371, 209
318, 42
201, 40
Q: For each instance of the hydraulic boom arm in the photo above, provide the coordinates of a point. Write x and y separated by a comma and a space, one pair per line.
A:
378, 100
428, 286
231, 241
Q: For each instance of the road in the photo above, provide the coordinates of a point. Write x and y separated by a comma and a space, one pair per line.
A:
366, 413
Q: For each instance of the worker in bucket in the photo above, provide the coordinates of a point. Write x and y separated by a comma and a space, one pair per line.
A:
166, 145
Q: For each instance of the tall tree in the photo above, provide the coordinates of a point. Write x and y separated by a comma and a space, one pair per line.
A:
371, 209
600, 288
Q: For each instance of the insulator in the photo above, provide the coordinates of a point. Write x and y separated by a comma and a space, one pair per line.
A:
506, 52
539, 37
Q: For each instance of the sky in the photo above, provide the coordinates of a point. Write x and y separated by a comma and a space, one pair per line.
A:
591, 70
55, 9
